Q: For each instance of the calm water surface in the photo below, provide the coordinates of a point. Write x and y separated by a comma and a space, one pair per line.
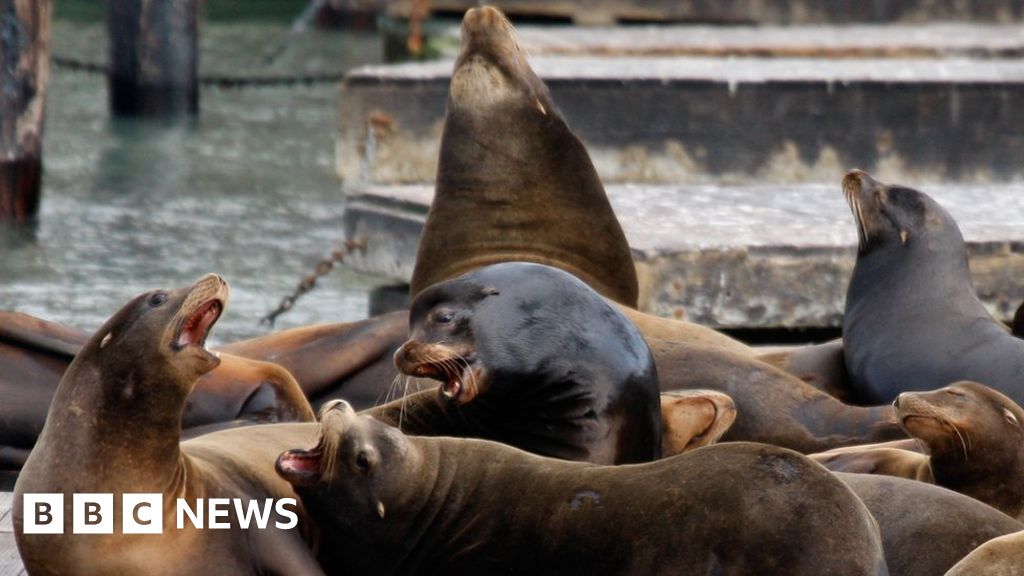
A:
248, 190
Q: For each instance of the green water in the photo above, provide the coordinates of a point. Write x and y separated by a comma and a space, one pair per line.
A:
247, 190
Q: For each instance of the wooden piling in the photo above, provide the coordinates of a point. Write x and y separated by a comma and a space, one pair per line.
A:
24, 75
153, 57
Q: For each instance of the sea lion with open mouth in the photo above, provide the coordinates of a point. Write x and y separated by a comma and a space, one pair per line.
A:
531, 356
913, 321
34, 354
114, 427
388, 503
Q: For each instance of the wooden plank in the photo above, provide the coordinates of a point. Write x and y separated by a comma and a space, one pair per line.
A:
10, 560
24, 76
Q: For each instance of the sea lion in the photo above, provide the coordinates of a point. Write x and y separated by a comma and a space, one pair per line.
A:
885, 459
114, 427
515, 184
506, 144
772, 406
34, 354
390, 503
691, 419
350, 359
973, 439
531, 356
1002, 556
912, 320
820, 365
926, 529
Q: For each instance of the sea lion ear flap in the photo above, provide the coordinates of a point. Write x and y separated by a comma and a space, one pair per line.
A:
1010, 417
106, 340
904, 236
380, 509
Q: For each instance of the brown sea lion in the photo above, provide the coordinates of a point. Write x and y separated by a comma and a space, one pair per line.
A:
506, 145
772, 406
913, 321
114, 427
900, 458
531, 356
820, 365
973, 439
515, 184
34, 354
926, 529
691, 419
352, 359
388, 503
1002, 556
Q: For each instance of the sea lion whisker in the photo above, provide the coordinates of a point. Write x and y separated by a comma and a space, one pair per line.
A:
960, 435
405, 400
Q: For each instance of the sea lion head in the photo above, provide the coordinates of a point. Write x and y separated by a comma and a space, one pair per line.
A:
491, 68
356, 471
963, 421
497, 329
890, 216
160, 334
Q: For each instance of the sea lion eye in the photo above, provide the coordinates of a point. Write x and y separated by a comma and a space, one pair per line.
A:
445, 317
157, 299
955, 392
363, 462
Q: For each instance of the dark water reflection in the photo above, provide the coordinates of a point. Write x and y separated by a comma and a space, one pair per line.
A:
247, 190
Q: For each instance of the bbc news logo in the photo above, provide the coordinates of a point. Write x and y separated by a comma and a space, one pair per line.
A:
144, 513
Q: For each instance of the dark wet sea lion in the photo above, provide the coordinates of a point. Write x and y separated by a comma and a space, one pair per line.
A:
1003, 556
531, 356
114, 427
388, 503
973, 437
912, 320
925, 528
515, 184
772, 406
506, 145
692, 419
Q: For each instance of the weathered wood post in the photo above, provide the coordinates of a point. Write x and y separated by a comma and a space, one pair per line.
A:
24, 75
153, 57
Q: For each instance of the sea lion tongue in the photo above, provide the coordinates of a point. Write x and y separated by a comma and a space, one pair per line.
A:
513, 182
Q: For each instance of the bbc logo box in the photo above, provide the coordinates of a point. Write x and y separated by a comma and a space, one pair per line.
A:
142, 513
93, 514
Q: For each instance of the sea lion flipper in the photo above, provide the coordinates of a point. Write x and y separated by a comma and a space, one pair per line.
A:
41, 335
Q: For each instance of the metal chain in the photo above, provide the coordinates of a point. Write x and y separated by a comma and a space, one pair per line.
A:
322, 269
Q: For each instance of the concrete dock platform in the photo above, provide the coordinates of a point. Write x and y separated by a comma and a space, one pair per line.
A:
929, 40
739, 11
664, 120
734, 256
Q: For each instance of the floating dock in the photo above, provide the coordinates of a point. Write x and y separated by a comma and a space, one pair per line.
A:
733, 256
671, 120
589, 12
